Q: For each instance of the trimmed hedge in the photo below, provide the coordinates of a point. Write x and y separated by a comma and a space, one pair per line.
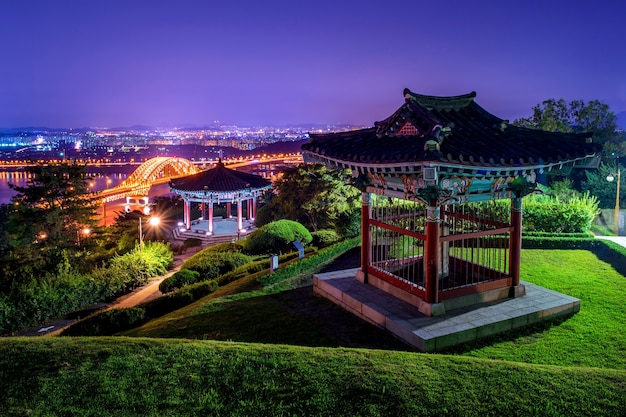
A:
107, 323
179, 280
325, 238
277, 237
211, 264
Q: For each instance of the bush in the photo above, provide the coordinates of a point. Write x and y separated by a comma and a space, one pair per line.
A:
66, 290
549, 214
211, 264
234, 247
192, 242
107, 323
277, 237
179, 280
323, 238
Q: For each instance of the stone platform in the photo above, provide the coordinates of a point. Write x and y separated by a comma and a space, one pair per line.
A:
429, 334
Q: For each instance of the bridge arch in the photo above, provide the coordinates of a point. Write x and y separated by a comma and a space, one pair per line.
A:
158, 168
153, 171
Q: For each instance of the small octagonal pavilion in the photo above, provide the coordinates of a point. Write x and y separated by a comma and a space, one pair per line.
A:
220, 185
432, 235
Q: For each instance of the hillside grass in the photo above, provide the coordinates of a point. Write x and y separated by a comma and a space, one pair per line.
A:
150, 377
593, 337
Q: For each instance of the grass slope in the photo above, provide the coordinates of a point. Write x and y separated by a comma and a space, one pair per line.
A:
148, 377
594, 337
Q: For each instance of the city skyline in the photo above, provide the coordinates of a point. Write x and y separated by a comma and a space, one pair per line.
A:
81, 64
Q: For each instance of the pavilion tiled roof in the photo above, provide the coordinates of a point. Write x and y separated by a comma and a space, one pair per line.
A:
451, 130
219, 180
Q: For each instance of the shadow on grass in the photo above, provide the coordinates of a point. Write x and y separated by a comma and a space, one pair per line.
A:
611, 253
294, 317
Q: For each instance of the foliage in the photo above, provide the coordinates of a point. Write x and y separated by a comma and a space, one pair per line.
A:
179, 280
604, 190
315, 196
211, 264
192, 242
67, 290
236, 247
46, 219
277, 237
578, 116
549, 214
106, 323
323, 238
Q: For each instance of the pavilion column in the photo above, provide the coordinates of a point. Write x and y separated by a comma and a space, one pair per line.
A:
515, 242
366, 239
203, 210
239, 215
249, 206
187, 214
431, 252
210, 217
228, 210
253, 209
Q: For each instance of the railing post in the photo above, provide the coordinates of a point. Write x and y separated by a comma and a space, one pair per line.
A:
366, 241
515, 243
431, 252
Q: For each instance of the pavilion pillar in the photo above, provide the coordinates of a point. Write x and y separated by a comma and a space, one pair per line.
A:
187, 214
239, 215
249, 207
253, 209
515, 242
210, 229
228, 210
203, 210
431, 252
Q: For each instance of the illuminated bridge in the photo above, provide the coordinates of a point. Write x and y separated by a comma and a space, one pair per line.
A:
154, 171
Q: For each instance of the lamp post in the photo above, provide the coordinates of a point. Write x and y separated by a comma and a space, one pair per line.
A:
611, 178
154, 221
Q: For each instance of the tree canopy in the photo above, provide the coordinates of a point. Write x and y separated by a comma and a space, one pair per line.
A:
577, 117
315, 196
46, 219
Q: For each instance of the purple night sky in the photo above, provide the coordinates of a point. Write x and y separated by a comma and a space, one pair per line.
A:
79, 63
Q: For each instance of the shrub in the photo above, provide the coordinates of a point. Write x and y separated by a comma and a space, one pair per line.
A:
549, 214
179, 280
235, 247
323, 238
277, 237
192, 242
107, 323
211, 264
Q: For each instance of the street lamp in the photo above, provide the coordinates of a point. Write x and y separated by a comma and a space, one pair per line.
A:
611, 178
85, 233
154, 221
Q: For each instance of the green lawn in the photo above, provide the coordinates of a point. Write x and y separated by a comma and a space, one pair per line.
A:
594, 337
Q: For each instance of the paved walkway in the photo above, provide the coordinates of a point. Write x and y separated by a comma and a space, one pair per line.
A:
620, 240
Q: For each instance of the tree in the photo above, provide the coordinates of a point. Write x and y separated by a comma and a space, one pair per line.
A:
577, 117
604, 190
45, 219
315, 196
